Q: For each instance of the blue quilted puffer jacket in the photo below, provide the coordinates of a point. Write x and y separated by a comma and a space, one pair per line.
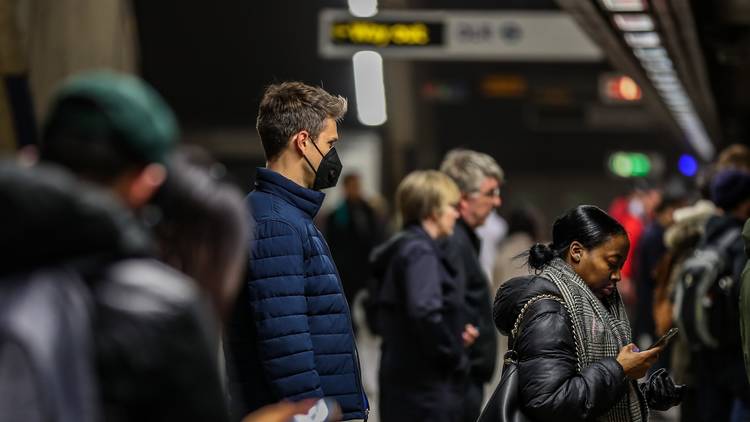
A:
291, 333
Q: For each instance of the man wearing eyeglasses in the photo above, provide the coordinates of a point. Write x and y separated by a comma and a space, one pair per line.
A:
479, 178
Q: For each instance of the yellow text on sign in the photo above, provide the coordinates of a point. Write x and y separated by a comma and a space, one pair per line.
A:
381, 34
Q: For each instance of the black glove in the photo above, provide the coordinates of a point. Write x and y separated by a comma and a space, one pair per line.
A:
661, 392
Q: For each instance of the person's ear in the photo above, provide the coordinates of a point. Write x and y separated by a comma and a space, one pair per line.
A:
138, 187
576, 252
435, 214
300, 140
463, 202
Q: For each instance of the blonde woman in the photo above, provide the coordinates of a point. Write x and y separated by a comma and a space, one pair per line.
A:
423, 367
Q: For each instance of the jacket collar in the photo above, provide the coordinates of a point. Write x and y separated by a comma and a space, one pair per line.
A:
271, 182
470, 234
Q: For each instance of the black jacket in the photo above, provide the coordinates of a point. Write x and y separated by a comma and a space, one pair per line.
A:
716, 227
90, 325
352, 231
462, 249
725, 364
420, 311
550, 387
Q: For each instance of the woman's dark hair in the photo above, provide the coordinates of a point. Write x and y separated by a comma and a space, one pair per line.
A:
587, 224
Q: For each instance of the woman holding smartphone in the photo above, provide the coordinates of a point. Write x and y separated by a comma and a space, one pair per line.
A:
576, 360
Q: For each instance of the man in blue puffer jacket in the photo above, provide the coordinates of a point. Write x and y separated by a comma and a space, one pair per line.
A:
291, 333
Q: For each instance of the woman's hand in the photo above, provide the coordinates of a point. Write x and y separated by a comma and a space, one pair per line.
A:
661, 392
636, 363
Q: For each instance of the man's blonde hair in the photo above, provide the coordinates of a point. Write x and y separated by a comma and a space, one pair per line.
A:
423, 193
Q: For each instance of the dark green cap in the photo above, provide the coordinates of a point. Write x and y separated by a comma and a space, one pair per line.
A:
129, 106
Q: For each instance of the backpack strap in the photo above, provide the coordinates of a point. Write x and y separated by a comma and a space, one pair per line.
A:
727, 238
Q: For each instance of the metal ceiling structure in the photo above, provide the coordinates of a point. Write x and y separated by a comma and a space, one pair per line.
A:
656, 42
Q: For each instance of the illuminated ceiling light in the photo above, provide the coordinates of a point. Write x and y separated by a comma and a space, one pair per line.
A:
369, 88
657, 74
665, 78
653, 75
665, 90
665, 87
677, 95
651, 53
676, 92
682, 115
661, 65
696, 135
363, 8
643, 39
678, 104
637, 22
680, 107
624, 5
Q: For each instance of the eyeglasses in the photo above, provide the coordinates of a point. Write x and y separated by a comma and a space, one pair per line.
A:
492, 193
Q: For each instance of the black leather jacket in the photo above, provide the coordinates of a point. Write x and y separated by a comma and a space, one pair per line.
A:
91, 326
550, 386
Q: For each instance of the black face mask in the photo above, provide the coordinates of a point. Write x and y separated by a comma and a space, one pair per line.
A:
329, 170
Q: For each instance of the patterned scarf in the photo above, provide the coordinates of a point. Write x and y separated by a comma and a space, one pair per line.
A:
601, 329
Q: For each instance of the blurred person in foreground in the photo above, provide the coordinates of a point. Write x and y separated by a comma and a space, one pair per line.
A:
202, 227
141, 327
479, 178
290, 336
420, 307
576, 358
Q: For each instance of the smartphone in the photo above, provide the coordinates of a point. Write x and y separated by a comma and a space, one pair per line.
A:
665, 338
324, 410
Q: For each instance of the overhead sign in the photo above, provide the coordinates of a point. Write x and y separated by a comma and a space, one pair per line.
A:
457, 35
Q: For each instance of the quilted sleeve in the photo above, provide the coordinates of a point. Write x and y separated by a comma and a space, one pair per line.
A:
276, 287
